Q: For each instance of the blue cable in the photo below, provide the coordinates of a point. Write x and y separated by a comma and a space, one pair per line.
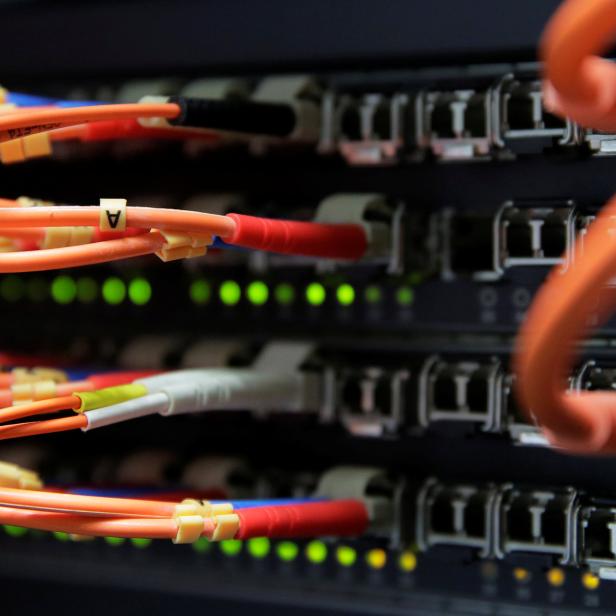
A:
22, 99
237, 504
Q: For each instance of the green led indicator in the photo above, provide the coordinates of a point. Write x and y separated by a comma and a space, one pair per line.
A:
230, 547
139, 291
12, 288
200, 292
287, 551
202, 545
230, 293
114, 291
416, 278
284, 294
87, 290
405, 296
259, 547
141, 542
315, 293
60, 536
345, 294
346, 555
63, 289
316, 552
115, 541
15, 531
37, 289
373, 294
257, 293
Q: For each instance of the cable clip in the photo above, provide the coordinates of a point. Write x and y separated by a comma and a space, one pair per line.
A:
183, 245
112, 215
60, 237
13, 476
227, 526
35, 375
24, 393
23, 148
24, 201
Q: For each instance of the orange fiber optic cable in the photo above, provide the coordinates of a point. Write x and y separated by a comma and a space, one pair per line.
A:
582, 86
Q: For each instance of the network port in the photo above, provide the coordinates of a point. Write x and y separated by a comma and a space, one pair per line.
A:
593, 376
456, 125
597, 538
515, 420
460, 391
455, 515
522, 124
534, 236
368, 130
535, 521
371, 400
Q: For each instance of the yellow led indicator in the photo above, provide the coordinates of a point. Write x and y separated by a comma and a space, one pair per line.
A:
489, 570
377, 558
555, 577
407, 561
346, 555
590, 581
316, 552
521, 575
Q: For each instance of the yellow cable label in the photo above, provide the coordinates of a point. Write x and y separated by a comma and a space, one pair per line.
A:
91, 400
112, 215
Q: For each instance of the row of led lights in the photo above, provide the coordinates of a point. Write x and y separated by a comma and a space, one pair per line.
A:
65, 289
317, 552
555, 576
258, 293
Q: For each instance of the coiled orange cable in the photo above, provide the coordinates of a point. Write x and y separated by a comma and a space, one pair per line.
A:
583, 87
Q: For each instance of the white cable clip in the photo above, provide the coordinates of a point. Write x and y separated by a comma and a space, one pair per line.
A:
112, 215
183, 245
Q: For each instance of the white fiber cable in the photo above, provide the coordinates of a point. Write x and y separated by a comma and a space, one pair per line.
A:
150, 404
193, 391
